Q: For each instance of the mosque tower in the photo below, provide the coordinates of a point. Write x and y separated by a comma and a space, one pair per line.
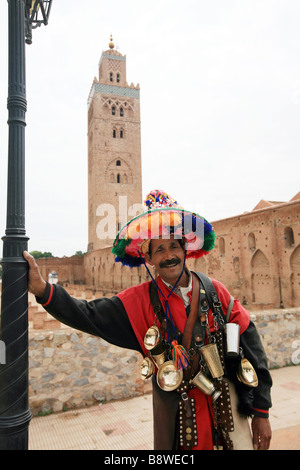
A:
114, 150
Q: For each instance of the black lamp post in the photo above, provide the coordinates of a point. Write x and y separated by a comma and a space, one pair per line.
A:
15, 415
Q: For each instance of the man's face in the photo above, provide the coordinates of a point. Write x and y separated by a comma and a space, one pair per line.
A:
168, 257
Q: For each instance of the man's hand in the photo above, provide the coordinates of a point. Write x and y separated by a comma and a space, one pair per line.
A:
36, 284
262, 433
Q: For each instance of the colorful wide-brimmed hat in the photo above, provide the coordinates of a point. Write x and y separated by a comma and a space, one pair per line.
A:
162, 217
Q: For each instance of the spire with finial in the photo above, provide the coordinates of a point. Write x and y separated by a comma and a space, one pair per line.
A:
111, 44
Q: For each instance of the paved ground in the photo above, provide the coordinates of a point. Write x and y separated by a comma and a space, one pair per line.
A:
127, 424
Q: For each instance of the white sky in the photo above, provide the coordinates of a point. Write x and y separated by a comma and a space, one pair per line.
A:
220, 106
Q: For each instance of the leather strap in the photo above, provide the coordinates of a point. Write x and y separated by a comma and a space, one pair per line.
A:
159, 312
213, 299
189, 326
192, 328
230, 305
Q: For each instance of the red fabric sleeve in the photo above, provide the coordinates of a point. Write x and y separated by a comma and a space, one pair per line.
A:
136, 301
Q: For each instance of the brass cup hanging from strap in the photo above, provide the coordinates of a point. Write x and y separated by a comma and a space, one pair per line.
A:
169, 377
206, 386
246, 373
212, 359
158, 354
153, 342
152, 337
147, 368
232, 332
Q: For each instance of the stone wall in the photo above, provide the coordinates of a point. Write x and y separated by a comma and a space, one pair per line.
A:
280, 334
70, 369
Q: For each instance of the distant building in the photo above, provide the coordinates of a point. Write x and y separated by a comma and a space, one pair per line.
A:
257, 255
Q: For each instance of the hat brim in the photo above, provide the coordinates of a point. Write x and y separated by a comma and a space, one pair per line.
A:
198, 234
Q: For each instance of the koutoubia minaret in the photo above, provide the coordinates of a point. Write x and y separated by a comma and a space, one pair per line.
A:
114, 150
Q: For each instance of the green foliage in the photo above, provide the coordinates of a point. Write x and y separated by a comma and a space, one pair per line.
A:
39, 254
80, 253
47, 254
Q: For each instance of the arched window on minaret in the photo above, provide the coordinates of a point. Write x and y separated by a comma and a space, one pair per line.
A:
111, 77
118, 178
121, 133
118, 163
118, 78
114, 133
113, 110
121, 112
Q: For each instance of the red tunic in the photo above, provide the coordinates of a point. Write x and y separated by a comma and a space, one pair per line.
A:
136, 301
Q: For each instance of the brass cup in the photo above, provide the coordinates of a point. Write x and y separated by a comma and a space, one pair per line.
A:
212, 359
168, 377
206, 386
232, 331
152, 337
246, 373
159, 359
147, 368
158, 354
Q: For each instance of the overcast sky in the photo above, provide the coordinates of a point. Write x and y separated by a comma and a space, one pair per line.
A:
220, 106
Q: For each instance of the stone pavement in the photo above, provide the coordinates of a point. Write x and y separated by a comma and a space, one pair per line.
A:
127, 424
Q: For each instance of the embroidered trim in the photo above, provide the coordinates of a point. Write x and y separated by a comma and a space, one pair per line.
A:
261, 411
50, 296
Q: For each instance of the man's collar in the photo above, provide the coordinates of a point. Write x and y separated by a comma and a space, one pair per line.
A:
183, 291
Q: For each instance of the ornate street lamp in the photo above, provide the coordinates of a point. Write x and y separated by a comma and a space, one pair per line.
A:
38, 12
15, 415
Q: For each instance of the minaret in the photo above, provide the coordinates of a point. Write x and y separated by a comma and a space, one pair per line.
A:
114, 150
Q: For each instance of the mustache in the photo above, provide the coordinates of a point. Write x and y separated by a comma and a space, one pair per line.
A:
169, 262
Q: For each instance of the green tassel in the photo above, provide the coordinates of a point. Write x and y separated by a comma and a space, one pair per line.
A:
119, 247
179, 356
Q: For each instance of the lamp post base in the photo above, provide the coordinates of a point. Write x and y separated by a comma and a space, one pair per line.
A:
15, 414
14, 431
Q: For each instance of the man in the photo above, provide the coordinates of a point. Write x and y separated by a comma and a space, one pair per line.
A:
188, 313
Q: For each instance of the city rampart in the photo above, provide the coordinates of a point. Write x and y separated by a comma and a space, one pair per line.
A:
67, 269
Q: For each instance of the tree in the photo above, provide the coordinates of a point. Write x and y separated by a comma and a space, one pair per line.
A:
39, 254
79, 253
